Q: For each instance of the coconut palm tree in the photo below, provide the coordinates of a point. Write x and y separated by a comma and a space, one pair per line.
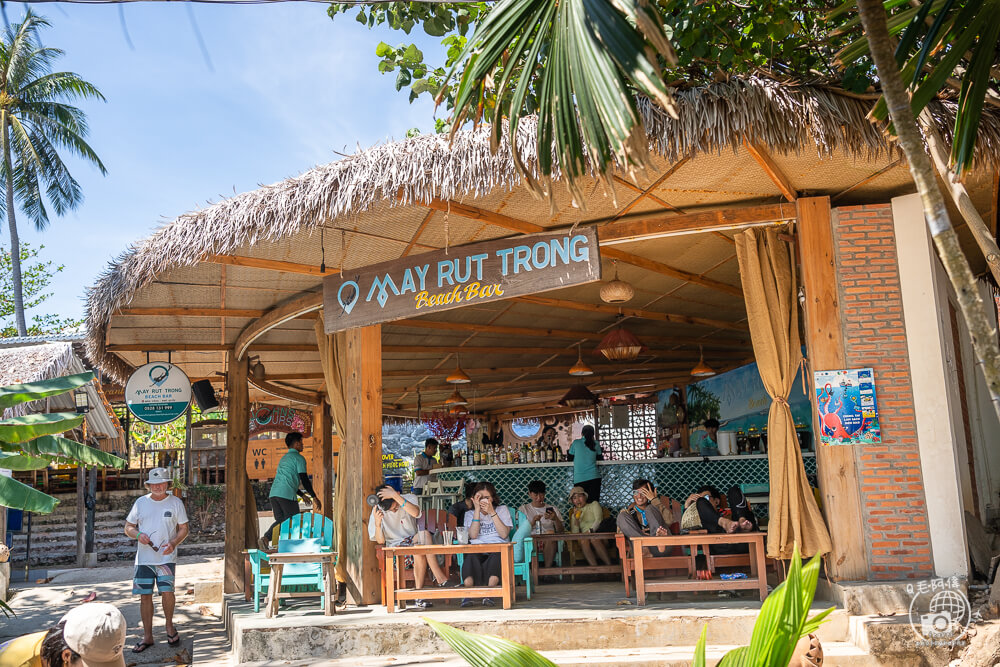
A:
36, 124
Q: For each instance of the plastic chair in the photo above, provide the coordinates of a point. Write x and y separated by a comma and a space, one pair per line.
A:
539, 553
302, 533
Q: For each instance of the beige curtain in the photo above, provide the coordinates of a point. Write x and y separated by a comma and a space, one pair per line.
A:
333, 359
770, 289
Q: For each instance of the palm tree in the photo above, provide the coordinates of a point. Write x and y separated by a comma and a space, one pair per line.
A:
36, 123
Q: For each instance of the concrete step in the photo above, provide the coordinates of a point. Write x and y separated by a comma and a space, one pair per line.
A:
41, 557
836, 654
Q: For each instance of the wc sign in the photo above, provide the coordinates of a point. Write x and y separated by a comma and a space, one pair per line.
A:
464, 275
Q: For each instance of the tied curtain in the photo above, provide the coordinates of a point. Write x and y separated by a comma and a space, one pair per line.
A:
770, 289
333, 359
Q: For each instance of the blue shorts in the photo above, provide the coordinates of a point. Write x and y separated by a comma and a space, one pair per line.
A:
148, 575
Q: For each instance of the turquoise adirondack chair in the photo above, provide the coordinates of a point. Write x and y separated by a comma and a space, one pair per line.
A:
522, 566
302, 533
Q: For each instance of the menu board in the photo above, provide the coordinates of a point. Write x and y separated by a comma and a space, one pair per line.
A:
848, 410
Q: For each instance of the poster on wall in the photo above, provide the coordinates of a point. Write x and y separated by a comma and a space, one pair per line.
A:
848, 411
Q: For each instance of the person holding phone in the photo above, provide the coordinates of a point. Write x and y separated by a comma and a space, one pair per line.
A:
544, 518
643, 518
488, 522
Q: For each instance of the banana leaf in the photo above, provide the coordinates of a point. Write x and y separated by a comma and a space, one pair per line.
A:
21, 462
488, 651
20, 429
15, 394
19, 496
57, 447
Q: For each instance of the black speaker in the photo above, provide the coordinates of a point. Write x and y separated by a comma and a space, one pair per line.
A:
204, 395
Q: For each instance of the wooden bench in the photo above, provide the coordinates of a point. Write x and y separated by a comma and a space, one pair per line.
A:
539, 569
756, 580
394, 594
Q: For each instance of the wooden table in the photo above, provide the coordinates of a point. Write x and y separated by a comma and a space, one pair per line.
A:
540, 569
758, 571
277, 562
394, 594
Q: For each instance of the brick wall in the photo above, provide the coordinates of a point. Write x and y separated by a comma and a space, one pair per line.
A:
892, 490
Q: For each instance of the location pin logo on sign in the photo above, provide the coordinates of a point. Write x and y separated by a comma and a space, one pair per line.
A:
352, 295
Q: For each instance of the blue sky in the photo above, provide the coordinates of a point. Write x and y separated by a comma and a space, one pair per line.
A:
288, 87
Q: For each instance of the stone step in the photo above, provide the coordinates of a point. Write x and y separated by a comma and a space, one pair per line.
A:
124, 553
839, 654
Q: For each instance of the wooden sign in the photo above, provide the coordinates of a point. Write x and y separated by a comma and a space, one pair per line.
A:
263, 456
465, 275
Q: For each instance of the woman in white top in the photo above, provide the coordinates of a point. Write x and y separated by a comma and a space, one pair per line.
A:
545, 518
488, 522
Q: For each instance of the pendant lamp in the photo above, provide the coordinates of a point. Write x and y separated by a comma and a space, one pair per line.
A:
701, 369
458, 376
620, 345
456, 399
580, 368
617, 291
578, 396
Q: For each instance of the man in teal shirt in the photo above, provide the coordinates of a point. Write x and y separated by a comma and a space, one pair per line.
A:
291, 474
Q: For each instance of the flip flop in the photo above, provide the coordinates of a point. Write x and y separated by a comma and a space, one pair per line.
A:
91, 597
174, 639
141, 646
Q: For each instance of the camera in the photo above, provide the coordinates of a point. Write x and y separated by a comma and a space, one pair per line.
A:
935, 623
373, 500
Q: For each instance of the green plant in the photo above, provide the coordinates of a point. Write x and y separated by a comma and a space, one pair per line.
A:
486, 650
204, 499
36, 123
701, 404
32, 442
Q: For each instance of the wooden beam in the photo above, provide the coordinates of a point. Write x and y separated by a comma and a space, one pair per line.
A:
549, 369
664, 269
868, 179
772, 170
559, 333
721, 349
362, 449
420, 230
270, 264
473, 213
289, 310
305, 398
634, 312
838, 476
237, 436
322, 451
560, 382
659, 226
192, 312
647, 192
222, 303
203, 347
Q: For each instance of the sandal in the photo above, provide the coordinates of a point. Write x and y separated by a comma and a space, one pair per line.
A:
174, 639
141, 646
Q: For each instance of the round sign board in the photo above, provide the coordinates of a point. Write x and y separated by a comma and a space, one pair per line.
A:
158, 392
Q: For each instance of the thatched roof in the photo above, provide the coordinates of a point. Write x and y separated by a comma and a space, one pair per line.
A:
32, 363
787, 119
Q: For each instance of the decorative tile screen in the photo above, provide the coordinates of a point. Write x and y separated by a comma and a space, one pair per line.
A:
636, 442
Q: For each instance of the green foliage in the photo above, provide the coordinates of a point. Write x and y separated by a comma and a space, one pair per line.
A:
204, 499
35, 279
30, 442
782, 621
939, 40
488, 651
701, 404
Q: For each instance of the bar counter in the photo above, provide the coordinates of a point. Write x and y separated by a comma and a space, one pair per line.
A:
677, 478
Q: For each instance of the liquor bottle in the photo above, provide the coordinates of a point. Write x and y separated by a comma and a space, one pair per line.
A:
549, 454
506, 456
524, 452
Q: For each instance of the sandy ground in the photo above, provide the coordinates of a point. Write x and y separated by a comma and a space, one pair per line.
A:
203, 639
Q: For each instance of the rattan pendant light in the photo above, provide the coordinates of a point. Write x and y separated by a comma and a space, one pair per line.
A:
620, 344
578, 396
701, 369
580, 368
617, 291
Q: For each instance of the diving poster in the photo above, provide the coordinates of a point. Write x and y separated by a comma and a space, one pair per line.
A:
848, 411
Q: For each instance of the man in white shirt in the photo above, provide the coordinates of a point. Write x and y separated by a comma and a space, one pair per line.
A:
423, 463
159, 523
393, 522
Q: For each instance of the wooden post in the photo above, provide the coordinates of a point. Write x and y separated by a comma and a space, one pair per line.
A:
237, 434
362, 449
322, 433
837, 472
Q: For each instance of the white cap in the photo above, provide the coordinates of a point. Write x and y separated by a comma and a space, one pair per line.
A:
158, 476
96, 631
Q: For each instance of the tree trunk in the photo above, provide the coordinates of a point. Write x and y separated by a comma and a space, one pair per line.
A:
984, 335
939, 154
15, 241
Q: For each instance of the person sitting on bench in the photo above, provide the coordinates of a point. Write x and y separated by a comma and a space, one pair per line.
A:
702, 513
393, 522
586, 517
643, 517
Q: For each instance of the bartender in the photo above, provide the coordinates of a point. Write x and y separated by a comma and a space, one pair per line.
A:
709, 443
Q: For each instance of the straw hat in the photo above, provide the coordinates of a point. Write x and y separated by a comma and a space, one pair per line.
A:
578, 489
159, 476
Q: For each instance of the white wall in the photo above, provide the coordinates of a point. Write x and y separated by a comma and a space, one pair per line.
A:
936, 408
